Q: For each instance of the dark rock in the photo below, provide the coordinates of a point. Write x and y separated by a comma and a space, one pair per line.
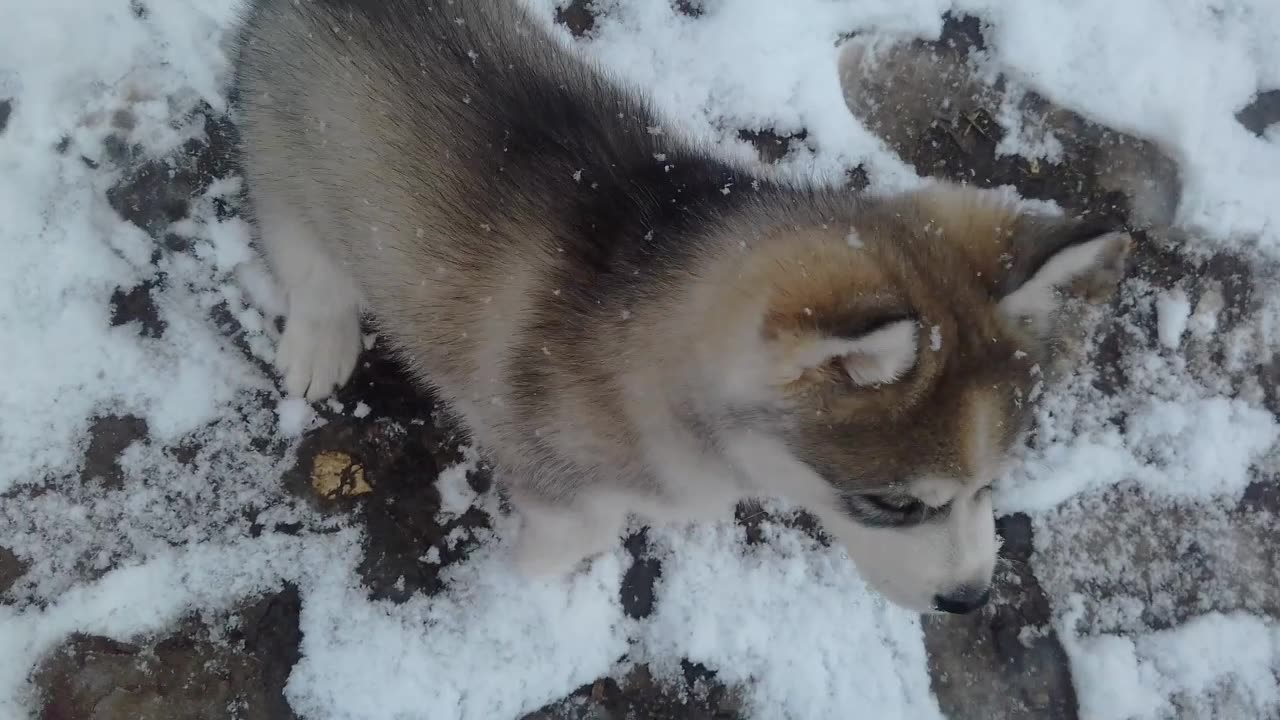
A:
689, 8
185, 676
1269, 378
175, 243
1180, 562
158, 192
753, 518
120, 152
856, 179
1234, 276
639, 580
154, 196
638, 694
962, 32
108, 437
771, 146
578, 16
1262, 496
925, 102
1019, 539
6, 109
12, 568
1262, 113
137, 306
270, 630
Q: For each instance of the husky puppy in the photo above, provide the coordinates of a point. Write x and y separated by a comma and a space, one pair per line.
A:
628, 324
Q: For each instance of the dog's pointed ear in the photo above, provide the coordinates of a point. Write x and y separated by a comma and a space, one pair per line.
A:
1079, 259
873, 355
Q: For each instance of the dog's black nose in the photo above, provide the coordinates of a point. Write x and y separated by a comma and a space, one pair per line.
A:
963, 601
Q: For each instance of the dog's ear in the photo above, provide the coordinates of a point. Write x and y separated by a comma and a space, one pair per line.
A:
1053, 261
876, 353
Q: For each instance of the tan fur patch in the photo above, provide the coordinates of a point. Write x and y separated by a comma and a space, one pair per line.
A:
981, 435
817, 276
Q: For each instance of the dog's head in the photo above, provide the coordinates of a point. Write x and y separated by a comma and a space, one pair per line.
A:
904, 347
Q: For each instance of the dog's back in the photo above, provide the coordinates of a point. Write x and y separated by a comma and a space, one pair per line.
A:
481, 182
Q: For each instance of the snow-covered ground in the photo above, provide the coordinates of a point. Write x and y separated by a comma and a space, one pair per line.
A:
1127, 514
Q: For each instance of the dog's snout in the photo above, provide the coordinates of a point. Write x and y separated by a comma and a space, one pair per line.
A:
963, 601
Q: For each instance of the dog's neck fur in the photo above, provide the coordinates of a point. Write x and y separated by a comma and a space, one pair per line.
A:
700, 392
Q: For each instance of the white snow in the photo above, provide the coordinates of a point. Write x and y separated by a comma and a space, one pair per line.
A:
456, 494
295, 416
788, 620
493, 646
1175, 73
1191, 448
146, 597
1215, 666
1173, 311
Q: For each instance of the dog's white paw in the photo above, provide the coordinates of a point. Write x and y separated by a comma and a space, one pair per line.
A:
319, 348
544, 549
555, 544
542, 562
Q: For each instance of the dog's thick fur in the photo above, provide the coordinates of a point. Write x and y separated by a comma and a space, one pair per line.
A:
628, 324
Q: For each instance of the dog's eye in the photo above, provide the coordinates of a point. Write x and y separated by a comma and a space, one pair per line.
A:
895, 503
888, 510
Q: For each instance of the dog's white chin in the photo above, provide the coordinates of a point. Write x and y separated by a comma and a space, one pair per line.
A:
906, 601
911, 567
